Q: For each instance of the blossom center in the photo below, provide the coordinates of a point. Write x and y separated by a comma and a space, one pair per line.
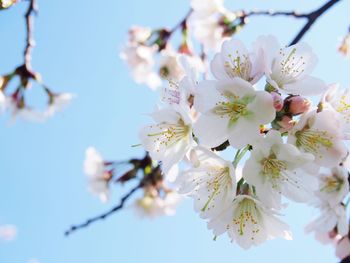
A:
238, 66
332, 184
221, 179
234, 108
170, 133
245, 214
343, 108
289, 68
312, 140
272, 167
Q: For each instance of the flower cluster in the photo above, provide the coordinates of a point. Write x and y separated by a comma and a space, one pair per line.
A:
14, 99
152, 58
259, 102
157, 199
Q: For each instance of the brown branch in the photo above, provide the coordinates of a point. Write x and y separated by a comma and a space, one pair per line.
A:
312, 17
182, 22
274, 13
106, 214
32, 9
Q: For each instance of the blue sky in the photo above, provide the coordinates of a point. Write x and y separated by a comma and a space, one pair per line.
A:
42, 186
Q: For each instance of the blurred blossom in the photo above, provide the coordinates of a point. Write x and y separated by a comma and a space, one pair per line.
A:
169, 67
98, 176
344, 47
139, 34
7, 3
58, 102
208, 32
140, 60
2, 102
205, 8
8, 232
153, 206
342, 249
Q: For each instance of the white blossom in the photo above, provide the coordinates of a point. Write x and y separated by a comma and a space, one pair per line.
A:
211, 184
25, 113
248, 223
98, 177
139, 34
58, 102
234, 60
3, 102
140, 59
150, 206
320, 134
288, 69
205, 8
331, 216
274, 169
180, 92
333, 186
170, 138
338, 99
208, 32
231, 110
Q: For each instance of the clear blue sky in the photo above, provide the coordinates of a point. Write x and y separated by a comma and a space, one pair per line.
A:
42, 187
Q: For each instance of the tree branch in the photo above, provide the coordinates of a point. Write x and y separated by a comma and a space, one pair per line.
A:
312, 17
274, 13
182, 22
106, 214
32, 9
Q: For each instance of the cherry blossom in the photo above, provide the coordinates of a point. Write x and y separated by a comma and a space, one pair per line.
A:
274, 169
249, 223
320, 133
211, 183
231, 109
98, 176
170, 138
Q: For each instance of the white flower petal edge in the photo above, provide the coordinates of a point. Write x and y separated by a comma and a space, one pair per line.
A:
170, 138
274, 169
248, 223
211, 184
233, 110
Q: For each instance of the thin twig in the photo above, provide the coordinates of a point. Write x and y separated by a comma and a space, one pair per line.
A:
32, 9
274, 13
312, 17
106, 214
182, 22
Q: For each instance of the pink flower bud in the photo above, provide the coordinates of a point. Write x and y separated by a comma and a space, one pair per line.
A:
298, 105
277, 101
286, 123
